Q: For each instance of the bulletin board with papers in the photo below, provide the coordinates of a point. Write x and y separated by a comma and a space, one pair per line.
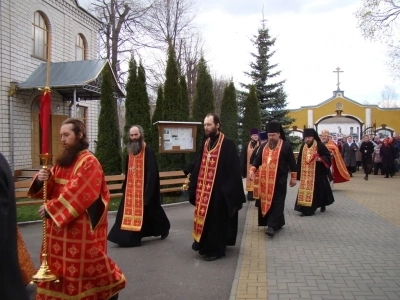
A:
177, 137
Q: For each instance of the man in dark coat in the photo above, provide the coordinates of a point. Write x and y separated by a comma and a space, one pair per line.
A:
11, 285
140, 213
366, 149
388, 154
245, 155
216, 191
274, 161
349, 150
313, 167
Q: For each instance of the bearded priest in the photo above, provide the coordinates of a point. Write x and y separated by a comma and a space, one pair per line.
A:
313, 167
274, 160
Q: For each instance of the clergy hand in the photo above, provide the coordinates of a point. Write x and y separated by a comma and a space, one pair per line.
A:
41, 211
292, 182
43, 175
251, 175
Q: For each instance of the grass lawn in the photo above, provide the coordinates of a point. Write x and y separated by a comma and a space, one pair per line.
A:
30, 212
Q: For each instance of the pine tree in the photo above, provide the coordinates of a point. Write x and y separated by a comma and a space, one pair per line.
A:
229, 113
251, 117
269, 93
131, 95
203, 102
108, 150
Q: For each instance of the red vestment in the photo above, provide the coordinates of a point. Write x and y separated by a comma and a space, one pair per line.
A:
339, 170
77, 251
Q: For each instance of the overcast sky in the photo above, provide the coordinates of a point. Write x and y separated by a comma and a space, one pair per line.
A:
314, 37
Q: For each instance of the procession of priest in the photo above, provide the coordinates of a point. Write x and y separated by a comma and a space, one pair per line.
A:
76, 212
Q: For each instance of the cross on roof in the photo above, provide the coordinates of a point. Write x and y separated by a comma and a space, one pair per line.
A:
338, 71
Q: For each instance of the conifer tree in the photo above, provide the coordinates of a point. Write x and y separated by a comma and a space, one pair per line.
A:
108, 150
157, 116
251, 117
131, 95
172, 110
203, 102
270, 92
184, 106
142, 107
229, 113
172, 94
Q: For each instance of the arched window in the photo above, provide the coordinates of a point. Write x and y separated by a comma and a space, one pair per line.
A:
80, 47
39, 36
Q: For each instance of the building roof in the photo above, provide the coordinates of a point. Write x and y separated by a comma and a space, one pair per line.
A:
65, 77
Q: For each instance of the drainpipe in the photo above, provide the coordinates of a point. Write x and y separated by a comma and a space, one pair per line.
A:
13, 90
72, 104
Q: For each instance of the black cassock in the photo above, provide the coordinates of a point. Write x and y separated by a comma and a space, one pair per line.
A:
11, 284
322, 195
155, 221
275, 217
227, 198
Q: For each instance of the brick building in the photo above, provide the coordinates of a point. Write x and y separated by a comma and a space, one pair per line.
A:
30, 29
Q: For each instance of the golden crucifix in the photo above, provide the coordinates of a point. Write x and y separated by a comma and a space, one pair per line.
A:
338, 71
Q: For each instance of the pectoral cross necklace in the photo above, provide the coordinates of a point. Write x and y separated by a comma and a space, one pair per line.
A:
211, 146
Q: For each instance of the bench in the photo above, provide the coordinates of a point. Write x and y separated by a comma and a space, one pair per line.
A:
170, 181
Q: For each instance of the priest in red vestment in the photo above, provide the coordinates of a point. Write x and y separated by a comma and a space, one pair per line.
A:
245, 155
140, 213
76, 213
338, 168
216, 191
263, 137
274, 161
313, 166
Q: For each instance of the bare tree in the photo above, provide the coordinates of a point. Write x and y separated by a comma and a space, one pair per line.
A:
122, 30
389, 97
378, 21
219, 84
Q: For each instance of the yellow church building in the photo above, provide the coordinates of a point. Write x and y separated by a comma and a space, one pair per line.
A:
344, 116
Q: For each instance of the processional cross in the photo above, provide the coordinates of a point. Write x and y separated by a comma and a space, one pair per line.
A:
338, 71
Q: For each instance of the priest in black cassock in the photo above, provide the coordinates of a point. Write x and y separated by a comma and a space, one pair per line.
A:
245, 155
313, 167
216, 191
140, 213
11, 284
274, 161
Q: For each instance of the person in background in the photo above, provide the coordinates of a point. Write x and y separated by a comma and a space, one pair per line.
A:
376, 156
366, 150
247, 150
349, 150
388, 153
263, 137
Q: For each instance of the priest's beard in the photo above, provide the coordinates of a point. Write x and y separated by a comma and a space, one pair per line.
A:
135, 146
69, 154
272, 144
211, 133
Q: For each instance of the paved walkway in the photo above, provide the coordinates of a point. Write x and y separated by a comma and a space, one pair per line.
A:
352, 251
